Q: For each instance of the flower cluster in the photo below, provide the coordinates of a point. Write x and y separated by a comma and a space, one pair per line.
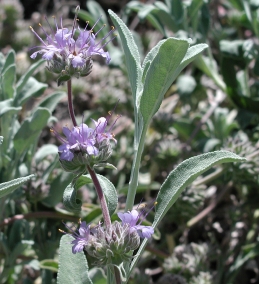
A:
69, 51
86, 145
112, 244
132, 218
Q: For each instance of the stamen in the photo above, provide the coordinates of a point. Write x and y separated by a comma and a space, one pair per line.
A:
104, 25
48, 37
55, 22
96, 22
38, 36
110, 32
53, 33
106, 42
87, 23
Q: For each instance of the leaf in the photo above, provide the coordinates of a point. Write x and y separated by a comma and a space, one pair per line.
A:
73, 268
132, 56
7, 106
10, 186
57, 188
8, 81
69, 199
160, 75
30, 130
44, 151
150, 57
97, 276
49, 264
108, 188
1, 140
32, 88
209, 67
50, 102
182, 176
23, 80
105, 165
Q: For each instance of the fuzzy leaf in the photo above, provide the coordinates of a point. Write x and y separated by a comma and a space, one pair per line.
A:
69, 199
32, 88
160, 75
10, 186
108, 188
1, 140
23, 80
57, 188
8, 81
30, 130
73, 268
50, 102
131, 54
44, 151
182, 176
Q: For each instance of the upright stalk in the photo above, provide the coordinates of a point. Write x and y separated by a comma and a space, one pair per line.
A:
106, 215
70, 103
135, 170
117, 275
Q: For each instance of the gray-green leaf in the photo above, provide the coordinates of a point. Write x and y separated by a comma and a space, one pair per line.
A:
108, 188
132, 56
73, 268
182, 176
30, 130
8, 187
160, 75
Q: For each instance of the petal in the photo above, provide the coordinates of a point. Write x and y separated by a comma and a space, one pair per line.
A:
144, 231
34, 55
66, 131
78, 246
78, 61
66, 155
91, 150
84, 231
48, 55
61, 37
130, 217
100, 124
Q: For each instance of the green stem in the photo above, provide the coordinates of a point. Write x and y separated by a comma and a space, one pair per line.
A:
135, 171
70, 102
117, 275
105, 211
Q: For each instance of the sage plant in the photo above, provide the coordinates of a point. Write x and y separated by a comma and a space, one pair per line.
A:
116, 247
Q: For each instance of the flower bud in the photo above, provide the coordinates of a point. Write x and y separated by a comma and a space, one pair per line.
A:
111, 245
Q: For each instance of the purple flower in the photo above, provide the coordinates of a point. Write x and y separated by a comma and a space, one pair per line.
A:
81, 238
67, 48
132, 218
85, 139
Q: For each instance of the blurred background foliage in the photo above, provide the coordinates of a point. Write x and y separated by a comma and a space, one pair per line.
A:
211, 234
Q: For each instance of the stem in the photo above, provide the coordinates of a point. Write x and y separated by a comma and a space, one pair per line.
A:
36, 215
70, 103
117, 275
135, 171
106, 215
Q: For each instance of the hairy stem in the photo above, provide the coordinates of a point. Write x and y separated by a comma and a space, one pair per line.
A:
106, 215
117, 275
70, 103
135, 171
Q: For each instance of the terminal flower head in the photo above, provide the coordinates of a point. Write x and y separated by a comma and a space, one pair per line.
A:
69, 51
92, 145
134, 218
